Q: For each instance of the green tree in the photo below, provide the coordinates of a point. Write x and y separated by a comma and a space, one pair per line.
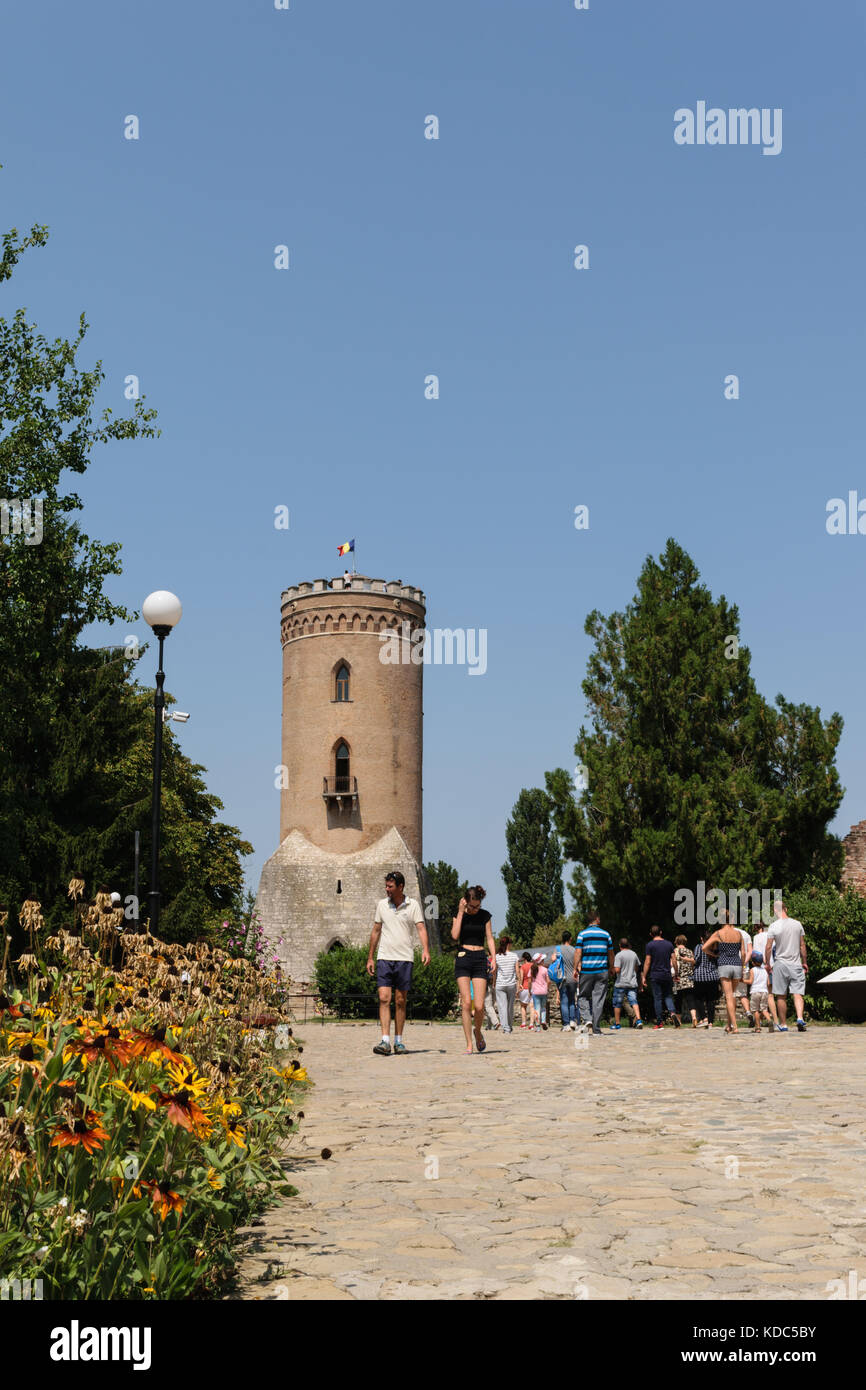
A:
76, 735
552, 935
444, 883
689, 773
533, 871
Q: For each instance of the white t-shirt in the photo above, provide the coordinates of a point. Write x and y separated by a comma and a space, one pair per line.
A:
760, 982
506, 969
787, 934
395, 943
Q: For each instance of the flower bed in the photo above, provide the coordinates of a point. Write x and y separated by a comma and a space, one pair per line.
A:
145, 1090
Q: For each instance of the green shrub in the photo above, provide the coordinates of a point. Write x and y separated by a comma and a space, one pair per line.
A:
835, 926
342, 974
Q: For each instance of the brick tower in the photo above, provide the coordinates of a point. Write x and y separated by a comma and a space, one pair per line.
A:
350, 807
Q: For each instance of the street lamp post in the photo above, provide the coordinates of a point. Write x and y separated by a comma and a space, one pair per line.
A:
161, 611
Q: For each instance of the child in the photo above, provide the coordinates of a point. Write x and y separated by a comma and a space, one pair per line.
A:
760, 988
538, 987
626, 964
523, 976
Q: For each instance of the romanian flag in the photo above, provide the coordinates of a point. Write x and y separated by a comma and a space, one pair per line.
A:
344, 549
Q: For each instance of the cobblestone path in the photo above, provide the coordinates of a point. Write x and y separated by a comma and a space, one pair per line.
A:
637, 1166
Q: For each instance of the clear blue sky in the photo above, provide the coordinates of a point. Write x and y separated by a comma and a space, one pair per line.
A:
411, 256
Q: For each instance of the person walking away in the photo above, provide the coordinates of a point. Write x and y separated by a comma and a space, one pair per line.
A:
759, 996
472, 929
593, 964
741, 987
790, 966
657, 965
706, 982
524, 974
507, 962
539, 986
489, 1002
683, 963
726, 945
391, 941
763, 945
567, 985
626, 964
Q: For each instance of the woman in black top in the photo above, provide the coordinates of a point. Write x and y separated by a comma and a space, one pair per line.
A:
472, 928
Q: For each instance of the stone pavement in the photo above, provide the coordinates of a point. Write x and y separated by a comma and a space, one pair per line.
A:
641, 1165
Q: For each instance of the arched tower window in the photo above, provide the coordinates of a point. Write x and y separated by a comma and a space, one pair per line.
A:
342, 688
341, 768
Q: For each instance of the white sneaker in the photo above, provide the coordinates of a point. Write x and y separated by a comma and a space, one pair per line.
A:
572, 1024
565, 1027
584, 1028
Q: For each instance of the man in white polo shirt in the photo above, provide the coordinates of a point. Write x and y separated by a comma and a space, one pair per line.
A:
392, 935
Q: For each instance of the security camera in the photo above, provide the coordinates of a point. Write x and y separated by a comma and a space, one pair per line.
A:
180, 716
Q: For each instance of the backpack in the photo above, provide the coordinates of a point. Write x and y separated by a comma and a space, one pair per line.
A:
556, 969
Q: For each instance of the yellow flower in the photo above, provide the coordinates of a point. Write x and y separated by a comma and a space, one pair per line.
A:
235, 1132
215, 1179
230, 1109
21, 1038
289, 1075
137, 1097
186, 1078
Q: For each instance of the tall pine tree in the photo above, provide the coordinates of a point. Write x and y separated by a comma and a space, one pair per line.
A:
691, 774
533, 873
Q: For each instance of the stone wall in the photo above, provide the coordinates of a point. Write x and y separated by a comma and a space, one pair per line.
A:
854, 871
301, 911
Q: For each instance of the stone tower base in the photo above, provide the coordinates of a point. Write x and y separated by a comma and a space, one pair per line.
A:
303, 914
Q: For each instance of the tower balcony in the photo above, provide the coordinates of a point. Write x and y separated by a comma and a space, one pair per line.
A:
340, 789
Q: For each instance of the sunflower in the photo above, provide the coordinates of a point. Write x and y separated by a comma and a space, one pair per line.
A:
215, 1179
85, 1130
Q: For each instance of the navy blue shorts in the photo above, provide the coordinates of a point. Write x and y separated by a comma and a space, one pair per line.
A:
394, 974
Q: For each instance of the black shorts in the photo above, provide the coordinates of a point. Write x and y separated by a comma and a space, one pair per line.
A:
470, 965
